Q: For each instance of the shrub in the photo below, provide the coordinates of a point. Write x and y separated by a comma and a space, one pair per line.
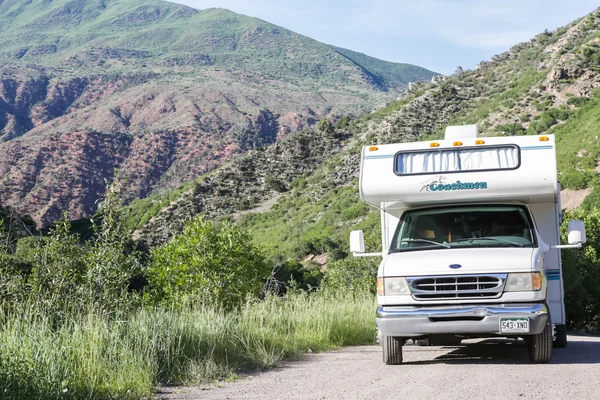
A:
541, 123
343, 123
581, 274
211, 261
511, 129
578, 101
324, 125
352, 274
578, 179
58, 272
110, 262
293, 274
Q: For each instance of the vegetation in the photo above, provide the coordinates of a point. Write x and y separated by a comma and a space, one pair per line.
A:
97, 318
581, 274
210, 262
163, 34
89, 356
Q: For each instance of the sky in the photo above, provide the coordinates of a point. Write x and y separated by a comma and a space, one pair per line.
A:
439, 35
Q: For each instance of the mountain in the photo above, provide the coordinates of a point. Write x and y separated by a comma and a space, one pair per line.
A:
160, 92
547, 85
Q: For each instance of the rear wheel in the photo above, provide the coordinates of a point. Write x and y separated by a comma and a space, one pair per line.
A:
560, 336
422, 342
540, 345
392, 349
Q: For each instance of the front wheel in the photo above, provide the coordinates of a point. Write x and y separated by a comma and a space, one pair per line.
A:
392, 349
540, 345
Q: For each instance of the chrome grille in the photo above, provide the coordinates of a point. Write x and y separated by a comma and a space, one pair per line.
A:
487, 286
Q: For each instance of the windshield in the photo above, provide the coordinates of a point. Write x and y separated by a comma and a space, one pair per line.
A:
464, 226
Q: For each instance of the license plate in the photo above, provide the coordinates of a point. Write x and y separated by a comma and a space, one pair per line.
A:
514, 325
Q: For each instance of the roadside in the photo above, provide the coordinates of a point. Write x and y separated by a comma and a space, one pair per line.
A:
483, 369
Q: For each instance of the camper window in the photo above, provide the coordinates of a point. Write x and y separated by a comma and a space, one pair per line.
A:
457, 160
464, 226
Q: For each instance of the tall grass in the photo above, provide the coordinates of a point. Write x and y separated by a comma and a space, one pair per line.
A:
92, 357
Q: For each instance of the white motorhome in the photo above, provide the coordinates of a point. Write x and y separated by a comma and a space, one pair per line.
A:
470, 240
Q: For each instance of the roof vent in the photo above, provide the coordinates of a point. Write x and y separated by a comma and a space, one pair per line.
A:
461, 132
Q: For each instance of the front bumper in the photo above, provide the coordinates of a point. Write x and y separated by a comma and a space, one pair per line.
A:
476, 319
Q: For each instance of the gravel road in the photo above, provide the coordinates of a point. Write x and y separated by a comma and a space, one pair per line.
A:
488, 369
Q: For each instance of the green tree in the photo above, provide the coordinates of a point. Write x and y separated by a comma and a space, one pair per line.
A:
58, 270
213, 262
325, 125
110, 262
343, 123
581, 274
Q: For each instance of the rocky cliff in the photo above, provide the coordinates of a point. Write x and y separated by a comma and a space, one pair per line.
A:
160, 92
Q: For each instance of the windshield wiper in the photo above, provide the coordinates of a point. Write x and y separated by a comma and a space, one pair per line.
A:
424, 241
491, 238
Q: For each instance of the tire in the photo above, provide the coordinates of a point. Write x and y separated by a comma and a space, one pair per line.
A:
560, 336
540, 346
422, 342
392, 350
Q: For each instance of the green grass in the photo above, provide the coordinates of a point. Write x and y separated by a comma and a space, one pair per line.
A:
50, 33
90, 357
298, 224
142, 210
577, 146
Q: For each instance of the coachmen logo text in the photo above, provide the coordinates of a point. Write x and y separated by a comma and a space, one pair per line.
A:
458, 185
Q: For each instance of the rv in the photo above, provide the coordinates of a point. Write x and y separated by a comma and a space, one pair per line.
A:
470, 234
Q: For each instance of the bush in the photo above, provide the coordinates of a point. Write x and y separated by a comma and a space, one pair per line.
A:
292, 274
511, 129
578, 179
58, 272
578, 101
581, 274
352, 274
215, 262
541, 124
325, 125
343, 123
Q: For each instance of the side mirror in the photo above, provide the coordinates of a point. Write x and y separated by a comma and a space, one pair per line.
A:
357, 242
576, 232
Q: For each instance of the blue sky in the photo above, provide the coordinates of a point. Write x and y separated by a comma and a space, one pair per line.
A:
436, 34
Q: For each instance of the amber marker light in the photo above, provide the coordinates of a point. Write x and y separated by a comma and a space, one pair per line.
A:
380, 286
480, 142
536, 281
457, 143
434, 144
544, 138
373, 148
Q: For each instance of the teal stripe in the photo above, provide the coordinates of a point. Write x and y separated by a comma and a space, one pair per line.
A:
537, 147
381, 156
553, 278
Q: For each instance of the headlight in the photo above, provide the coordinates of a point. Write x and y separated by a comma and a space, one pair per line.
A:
523, 282
392, 286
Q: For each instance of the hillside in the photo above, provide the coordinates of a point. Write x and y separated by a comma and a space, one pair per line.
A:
162, 92
548, 85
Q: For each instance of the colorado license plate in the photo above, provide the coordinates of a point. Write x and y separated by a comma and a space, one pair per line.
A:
514, 325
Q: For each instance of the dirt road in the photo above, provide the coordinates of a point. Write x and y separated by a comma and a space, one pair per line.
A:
490, 369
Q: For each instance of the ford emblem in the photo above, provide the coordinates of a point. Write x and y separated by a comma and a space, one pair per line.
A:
455, 266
